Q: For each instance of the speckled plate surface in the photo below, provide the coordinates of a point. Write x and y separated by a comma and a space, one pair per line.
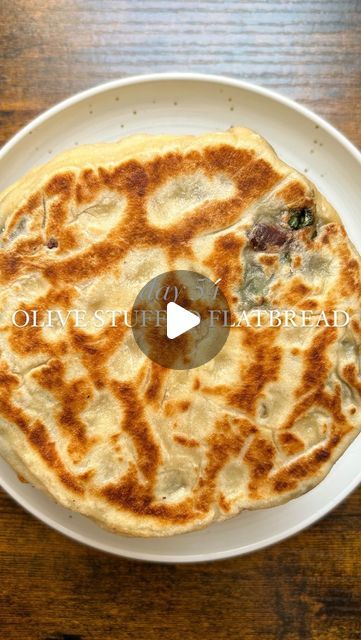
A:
191, 103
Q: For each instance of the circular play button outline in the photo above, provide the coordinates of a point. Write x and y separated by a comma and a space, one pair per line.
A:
179, 319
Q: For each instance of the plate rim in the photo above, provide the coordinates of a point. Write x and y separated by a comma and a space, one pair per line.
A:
180, 75
225, 81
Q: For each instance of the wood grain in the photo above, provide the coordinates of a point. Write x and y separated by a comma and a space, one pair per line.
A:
308, 587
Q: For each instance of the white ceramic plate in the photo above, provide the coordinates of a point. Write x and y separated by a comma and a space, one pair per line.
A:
192, 103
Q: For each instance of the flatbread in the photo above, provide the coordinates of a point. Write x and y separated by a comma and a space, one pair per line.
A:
150, 451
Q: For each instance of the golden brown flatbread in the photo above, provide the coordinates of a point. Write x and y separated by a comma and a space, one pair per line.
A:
142, 449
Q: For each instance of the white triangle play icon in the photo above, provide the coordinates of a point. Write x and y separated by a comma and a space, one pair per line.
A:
179, 320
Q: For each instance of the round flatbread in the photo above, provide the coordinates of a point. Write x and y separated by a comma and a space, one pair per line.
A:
147, 450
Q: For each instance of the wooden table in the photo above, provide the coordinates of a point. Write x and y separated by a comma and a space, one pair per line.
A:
308, 586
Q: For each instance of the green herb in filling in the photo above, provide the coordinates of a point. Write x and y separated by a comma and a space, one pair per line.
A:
301, 218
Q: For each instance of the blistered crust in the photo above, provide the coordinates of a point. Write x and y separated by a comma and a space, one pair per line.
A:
146, 450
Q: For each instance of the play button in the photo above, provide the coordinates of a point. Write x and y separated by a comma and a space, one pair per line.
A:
180, 319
